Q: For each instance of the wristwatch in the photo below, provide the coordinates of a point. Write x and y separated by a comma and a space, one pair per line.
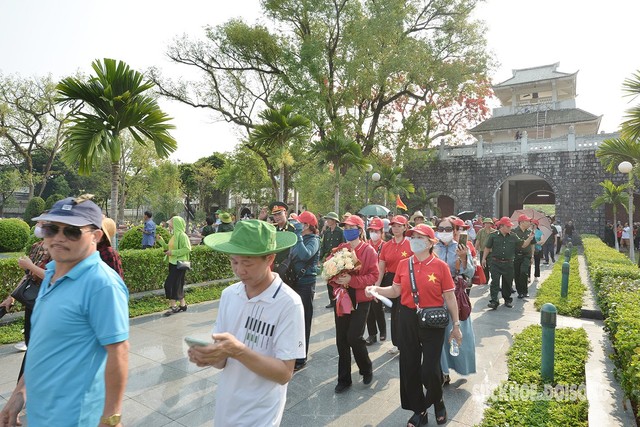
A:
112, 420
456, 323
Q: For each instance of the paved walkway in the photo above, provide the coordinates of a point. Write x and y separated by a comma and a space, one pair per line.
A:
164, 389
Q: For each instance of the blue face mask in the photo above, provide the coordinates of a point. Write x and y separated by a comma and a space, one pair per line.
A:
351, 234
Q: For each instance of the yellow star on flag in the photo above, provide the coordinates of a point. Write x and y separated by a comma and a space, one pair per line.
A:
404, 254
432, 278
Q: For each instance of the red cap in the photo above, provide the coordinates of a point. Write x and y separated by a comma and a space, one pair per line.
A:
523, 217
505, 221
398, 219
376, 224
293, 215
459, 223
354, 220
423, 229
308, 217
535, 221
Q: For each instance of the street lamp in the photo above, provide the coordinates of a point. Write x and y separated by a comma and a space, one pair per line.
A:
627, 167
375, 177
368, 169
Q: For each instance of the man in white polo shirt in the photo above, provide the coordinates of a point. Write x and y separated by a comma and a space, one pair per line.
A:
259, 331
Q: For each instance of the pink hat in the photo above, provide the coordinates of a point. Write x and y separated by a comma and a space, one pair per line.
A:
354, 220
398, 219
423, 229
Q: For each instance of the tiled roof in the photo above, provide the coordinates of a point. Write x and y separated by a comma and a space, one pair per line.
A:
535, 74
529, 120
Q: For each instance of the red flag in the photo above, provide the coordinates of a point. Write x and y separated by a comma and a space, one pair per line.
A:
400, 204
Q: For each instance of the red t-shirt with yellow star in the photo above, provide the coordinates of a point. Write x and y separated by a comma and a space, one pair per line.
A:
392, 252
433, 278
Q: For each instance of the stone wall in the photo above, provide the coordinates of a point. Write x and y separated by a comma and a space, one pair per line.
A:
472, 182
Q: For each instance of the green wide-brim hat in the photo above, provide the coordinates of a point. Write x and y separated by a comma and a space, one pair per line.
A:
332, 215
251, 237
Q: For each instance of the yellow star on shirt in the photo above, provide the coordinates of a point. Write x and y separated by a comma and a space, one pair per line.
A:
432, 278
404, 254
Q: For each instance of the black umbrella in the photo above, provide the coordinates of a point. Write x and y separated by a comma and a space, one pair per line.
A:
465, 215
374, 210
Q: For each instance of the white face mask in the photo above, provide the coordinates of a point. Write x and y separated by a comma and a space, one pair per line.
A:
446, 238
374, 236
418, 245
38, 232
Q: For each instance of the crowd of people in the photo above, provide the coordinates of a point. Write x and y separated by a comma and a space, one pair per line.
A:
423, 268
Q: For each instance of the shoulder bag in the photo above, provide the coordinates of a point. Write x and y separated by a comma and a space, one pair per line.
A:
428, 317
464, 303
27, 292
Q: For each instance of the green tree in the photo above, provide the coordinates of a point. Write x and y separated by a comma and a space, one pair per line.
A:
393, 183
34, 208
10, 181
165, 194
113, 101
340, 153
613, 195
245, 174
378, 70
423, 201
272, 140
31, 124
631, 125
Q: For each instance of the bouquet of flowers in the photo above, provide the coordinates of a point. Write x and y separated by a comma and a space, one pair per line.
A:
342, 261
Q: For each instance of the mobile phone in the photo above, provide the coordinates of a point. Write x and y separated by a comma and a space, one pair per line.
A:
462, 239
194, 342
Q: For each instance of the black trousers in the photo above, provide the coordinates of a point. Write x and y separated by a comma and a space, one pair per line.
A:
174, 283
387, 280
306, 291
27, 335
376, 320
537, 256
349, 332
420, 351
521, 271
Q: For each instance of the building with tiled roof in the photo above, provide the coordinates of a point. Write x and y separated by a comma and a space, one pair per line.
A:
540, 101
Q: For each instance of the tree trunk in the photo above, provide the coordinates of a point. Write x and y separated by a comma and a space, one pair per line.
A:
121, 204
615, 230
115, 183
281, 187
336, 194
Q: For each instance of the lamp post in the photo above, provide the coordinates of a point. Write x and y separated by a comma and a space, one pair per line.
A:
627, 167
375, 177
368, 169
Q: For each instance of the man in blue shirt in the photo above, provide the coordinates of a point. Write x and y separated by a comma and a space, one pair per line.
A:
149, 231
77, 361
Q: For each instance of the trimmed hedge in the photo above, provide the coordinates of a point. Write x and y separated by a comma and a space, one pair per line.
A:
132, 239
525, 400
14, 234
144, 270
550, 289
617, 282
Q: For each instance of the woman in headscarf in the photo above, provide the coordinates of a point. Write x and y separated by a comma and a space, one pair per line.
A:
420, 348
178, 249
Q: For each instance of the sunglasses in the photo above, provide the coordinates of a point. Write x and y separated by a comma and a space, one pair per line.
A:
445, 229
71, 232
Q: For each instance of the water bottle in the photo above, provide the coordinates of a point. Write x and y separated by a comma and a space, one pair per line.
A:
454, 349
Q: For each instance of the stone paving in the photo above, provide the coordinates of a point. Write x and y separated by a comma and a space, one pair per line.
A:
164, 389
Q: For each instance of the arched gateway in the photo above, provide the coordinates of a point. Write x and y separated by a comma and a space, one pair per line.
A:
538, 148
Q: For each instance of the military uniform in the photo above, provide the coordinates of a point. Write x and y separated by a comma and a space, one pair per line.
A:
330, 240
503, 251
281, 256
522, 261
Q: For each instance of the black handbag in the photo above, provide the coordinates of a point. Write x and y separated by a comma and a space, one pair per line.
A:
27, 292
428, 317
287, 271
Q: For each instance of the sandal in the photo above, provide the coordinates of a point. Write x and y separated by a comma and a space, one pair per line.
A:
172, 310
418, 419
446, 379
441, 412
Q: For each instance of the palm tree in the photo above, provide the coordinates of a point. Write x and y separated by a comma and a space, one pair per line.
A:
341, 153
631, 126
421, 200
393, 182
613, 195
279, 129
113, 101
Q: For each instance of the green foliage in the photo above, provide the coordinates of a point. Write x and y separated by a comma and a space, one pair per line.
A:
30, 241
549, 290
617, 281
527, 406
52, 199
132, 238
34, 208
160, 217
14, 234
12, 332
11, 275
165, 193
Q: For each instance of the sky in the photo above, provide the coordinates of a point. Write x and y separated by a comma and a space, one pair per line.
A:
61, 37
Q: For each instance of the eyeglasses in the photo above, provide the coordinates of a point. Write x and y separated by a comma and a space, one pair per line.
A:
71, 232
445, 229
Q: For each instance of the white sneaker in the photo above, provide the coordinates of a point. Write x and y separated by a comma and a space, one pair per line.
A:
21, 346
393, 350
